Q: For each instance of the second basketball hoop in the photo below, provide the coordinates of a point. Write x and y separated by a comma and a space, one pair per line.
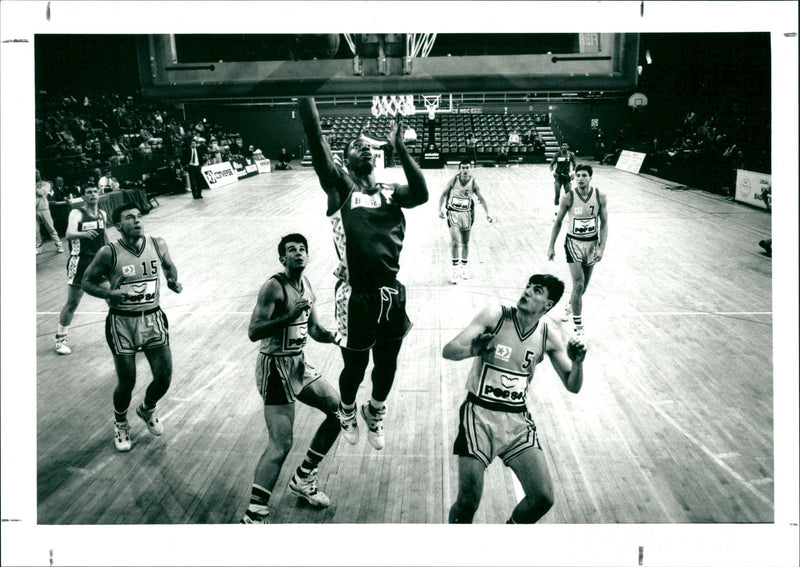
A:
392, 105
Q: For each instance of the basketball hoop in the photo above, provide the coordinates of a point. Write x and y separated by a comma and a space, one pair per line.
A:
431, 103
392, 105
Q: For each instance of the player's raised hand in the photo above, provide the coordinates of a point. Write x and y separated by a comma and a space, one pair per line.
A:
576, 350
480, 344
396, 135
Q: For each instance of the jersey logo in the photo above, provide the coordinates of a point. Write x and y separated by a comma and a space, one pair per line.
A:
508, 381
366, 201
502, 352
577, 210
139, 288
128, 270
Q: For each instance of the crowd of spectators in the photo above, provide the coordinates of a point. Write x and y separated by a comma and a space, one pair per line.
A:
76, 134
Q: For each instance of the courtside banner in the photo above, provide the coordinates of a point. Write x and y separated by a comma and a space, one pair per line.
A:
630, 161
219, 174
244, 167
753, 188
263, 165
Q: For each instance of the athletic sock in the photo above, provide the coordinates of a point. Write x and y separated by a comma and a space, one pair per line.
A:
464, 261
455, 262
120, 416
62, 330
147, 406
311, 462
259, 496
347, 408
376, 406
578, 320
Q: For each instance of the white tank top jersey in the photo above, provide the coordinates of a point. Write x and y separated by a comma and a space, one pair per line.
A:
293, 337
502, 376
459, 198
137, 272
583, 215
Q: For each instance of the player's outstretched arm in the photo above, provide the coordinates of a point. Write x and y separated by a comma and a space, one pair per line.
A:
327, 171
170, 269
416, 192
317, 331
475, 339
567, 360
443, 199
481, 200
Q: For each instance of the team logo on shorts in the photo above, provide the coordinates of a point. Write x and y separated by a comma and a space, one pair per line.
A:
502, 352
128, 270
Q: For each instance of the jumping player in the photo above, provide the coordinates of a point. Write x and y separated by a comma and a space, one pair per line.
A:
562, 167
369, 228
457, 205
507, 343
132, 265
283, 318
86, 234
585, 241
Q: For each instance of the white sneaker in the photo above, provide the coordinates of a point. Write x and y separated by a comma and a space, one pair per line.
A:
38, 250
61, 345
579, 332
455, 274
567, 312
349, 425
307, 488
259, 515
122, 436
59, 248
465, 275
150, 419
374, 426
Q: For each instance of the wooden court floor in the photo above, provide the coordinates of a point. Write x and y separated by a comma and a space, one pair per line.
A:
674, 423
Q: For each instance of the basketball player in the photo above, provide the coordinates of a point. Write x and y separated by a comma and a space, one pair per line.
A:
132, 265
457, 205
562, 167
86, 233
585, 241
507, 343
282, 320
369, 228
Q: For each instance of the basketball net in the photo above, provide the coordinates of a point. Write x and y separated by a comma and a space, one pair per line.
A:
392, 105
431, 103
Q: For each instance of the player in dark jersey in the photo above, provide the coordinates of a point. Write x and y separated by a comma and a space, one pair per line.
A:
369, 228
283, 318
457, 205
508, 343
562, 167
86, 234
586, 210
132, 266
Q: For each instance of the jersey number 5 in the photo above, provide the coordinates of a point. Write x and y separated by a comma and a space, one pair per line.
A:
529, 354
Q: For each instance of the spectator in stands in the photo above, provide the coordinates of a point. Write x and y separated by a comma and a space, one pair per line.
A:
43, 217
148, 137
472, 148
194, 157
107, 182
513, 137
63, 192
144, 150
120, 152
214, 151
248, 153
283, 160
502, 155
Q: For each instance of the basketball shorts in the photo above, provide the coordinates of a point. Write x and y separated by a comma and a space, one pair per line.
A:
130, 332
460, 219
580, 251
367, 318
280, 379
563, 180
485, 434
76, 266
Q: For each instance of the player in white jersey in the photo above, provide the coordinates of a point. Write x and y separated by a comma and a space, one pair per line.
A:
457, 205
131, 267
508, 343
587, 232
283, 318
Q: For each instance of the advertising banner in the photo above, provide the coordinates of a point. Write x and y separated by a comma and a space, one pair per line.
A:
263, 165
754, 188
244, 167
630, 161
219, 174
